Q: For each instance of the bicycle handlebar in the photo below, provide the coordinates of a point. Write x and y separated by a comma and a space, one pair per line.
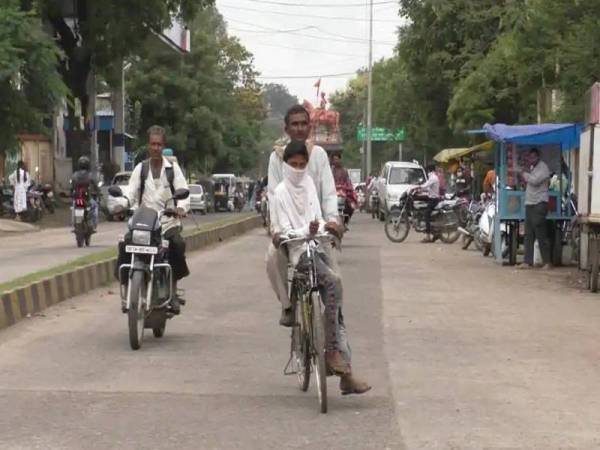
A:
290, 240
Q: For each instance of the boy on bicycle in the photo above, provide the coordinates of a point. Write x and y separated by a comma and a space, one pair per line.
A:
298, 211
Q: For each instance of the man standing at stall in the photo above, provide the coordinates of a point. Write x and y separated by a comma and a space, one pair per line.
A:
536, 209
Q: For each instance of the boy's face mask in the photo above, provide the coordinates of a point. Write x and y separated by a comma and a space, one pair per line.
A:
294, 176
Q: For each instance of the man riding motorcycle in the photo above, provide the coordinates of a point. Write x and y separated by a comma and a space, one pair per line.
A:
297, 126
152, 184
432, 190
84, 185
343, 183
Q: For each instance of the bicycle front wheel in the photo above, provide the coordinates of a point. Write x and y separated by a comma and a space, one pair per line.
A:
301, 348
318, 331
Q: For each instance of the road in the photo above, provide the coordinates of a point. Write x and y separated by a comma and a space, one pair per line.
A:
31, 252
462, 354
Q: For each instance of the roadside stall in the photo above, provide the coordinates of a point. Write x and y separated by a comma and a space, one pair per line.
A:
448, 155
512, 144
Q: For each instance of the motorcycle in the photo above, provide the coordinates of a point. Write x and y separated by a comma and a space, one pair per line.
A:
411, 212
82, 227
7, 208
48, 201
470, 231
239, 200
374, 201
149, 288
486, 228
35, 209
361, 200
264, 209
341, 205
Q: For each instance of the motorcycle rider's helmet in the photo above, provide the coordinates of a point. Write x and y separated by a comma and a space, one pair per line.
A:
83, 163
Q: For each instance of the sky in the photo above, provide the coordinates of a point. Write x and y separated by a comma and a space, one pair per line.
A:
296, 42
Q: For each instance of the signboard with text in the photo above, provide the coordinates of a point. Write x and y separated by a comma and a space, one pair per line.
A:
382, 134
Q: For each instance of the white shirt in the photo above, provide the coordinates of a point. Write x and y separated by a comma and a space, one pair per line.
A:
158, 192
290, 221
320, 172
432, 185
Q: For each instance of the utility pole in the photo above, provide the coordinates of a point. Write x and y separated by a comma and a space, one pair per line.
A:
370, 90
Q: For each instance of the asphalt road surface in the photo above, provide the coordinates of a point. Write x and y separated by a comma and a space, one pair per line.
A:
25, 253
461, 353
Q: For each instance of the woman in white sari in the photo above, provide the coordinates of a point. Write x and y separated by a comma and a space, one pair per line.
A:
21, 181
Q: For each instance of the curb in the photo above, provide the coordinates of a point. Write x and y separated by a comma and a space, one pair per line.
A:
28, 300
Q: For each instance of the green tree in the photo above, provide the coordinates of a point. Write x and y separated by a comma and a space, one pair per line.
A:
278, 99
209, 100
30, 86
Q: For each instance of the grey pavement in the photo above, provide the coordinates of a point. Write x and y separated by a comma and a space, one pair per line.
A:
462, 354
23, 253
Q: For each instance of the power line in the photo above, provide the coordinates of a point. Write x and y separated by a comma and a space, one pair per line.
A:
344, 40
295, 31
310, 16
302, 77
308, 50
322, 5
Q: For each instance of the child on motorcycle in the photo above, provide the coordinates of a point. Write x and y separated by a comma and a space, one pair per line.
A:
298, 212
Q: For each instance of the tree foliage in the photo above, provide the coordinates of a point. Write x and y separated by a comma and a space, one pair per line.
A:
459, 64
30, 85
209, 100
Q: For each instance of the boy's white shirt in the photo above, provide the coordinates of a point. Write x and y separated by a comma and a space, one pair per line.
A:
291, 220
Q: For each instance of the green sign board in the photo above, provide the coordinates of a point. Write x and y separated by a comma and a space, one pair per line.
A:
382, 134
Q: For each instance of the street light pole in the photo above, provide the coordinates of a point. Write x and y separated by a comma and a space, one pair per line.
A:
370, 90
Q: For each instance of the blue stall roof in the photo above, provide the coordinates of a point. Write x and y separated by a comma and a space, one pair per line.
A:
564, 134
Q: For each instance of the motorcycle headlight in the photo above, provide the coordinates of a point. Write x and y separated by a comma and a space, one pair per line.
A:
140, 237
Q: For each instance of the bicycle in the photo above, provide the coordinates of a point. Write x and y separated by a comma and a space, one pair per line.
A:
307, 348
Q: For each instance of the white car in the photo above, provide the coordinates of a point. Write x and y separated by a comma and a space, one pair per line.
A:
395, 179
115, 208
197, 198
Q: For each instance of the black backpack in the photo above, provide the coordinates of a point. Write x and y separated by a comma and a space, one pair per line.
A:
145, 168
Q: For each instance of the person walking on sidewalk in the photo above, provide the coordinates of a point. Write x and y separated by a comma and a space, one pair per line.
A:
21, 181
537, 178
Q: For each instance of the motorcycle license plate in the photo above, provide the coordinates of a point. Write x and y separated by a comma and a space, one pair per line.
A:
141, 249
79, 212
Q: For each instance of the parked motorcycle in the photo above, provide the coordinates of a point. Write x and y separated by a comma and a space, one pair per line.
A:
411, 212
48, 202
7, 208
149, 287
486, 230
35, 208
470, 231
82, 224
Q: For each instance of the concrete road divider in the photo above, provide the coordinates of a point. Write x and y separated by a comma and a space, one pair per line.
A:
29, 300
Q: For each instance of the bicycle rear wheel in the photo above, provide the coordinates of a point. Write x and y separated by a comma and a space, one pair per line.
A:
318, 331
301, 348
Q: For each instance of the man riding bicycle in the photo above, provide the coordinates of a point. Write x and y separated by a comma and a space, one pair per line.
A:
297, 210
152, 184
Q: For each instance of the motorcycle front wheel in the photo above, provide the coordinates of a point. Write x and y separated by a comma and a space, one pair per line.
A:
136, 313
397, 227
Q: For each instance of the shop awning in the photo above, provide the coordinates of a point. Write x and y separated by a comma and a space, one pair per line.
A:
564, 134
449, 154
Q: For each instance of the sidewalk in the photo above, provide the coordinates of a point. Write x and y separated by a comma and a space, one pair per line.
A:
13, 226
